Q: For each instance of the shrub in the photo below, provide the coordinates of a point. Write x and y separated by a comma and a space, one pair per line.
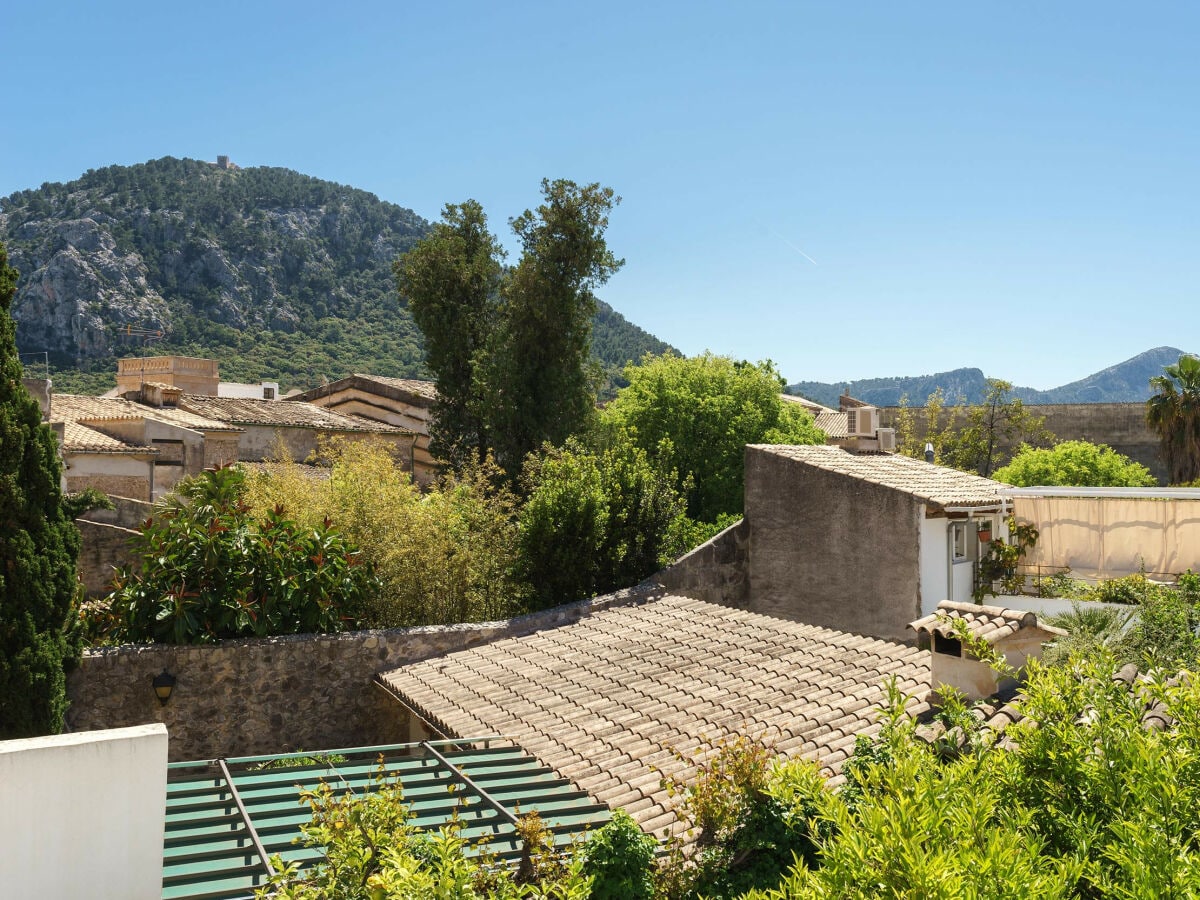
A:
442, 557
210, 570
372, 851
595, 521
619, 858
1074, 463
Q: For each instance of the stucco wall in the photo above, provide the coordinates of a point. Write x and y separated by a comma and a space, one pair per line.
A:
261, 442
102, 547
300, 692
716, 571
1121, 426
831, 550
81, 815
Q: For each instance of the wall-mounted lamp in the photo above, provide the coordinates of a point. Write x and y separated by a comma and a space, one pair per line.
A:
164, 683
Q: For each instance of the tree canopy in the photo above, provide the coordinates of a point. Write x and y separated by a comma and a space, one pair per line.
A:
452, 281
696, 415
1174, 414
537, 377
1073, 463
39, 545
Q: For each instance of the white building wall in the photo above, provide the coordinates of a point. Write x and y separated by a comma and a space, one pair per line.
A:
935, 549
81, 815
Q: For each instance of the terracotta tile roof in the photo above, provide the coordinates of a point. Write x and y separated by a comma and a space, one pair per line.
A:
992, 623
79, 438
414, 385
936, 485
811, 405
612, 700
76, 408
833, 423
241, 411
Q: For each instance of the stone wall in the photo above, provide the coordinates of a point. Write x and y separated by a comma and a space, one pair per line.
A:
137, 485
831, 550
309, 692
126, 512
1121, 426
716, 571
102, 548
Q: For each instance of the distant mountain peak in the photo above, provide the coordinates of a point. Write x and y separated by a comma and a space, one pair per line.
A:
1125, 382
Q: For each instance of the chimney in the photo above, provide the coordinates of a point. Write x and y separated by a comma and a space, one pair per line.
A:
1014, 634
40, 389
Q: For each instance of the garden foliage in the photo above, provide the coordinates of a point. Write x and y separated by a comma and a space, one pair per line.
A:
210, 569
442, 556
596, 520
1073, 463
696, 415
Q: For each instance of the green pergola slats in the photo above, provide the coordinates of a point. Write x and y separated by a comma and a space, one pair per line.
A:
218, 810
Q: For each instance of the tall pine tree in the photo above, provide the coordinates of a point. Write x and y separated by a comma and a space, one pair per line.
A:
537, 376
39, 544
452, 282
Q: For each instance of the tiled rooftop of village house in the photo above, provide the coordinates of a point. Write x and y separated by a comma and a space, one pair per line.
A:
272, 412
79, 438
414, 385
612, 700
936, 485
833, 423
77, 408
989, 623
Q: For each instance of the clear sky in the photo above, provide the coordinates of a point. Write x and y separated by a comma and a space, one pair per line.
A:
850, 189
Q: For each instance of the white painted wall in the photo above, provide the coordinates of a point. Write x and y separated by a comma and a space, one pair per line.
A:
81, 815
934, 550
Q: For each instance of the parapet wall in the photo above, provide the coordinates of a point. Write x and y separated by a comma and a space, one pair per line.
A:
716, 572
298, 692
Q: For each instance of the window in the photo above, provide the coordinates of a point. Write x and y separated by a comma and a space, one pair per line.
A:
268, 393
960, 541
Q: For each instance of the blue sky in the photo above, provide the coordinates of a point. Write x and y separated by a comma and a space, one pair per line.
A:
850, 189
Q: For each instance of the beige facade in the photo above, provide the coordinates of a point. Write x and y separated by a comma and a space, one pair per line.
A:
402, 402
190, 374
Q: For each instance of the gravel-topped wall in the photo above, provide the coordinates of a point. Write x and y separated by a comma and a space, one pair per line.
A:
299, 692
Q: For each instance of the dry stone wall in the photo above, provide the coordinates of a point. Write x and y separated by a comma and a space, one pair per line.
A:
299, 692
102, 548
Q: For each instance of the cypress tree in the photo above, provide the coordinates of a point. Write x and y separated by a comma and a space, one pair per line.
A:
39, 544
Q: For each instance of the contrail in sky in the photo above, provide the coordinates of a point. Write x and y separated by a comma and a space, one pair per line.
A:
794, 247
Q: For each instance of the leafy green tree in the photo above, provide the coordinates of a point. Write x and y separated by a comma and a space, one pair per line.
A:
1001, 420
540, 385
1174, 414
452, 282
1074, 463
210, 570
697, 414
595, 521
39, 544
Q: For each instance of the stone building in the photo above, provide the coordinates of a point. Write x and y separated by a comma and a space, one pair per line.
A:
406, 403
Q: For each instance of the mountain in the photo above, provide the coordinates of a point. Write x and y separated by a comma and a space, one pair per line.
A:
277, 275
1126, 382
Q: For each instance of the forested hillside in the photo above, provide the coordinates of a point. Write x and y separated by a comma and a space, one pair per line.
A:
1126, 382
277, 275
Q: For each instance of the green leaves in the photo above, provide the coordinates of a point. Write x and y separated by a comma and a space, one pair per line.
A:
696, 416
1073, 463
211, 571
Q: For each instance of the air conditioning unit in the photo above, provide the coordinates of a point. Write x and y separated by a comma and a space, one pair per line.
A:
862, 421
887, 439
